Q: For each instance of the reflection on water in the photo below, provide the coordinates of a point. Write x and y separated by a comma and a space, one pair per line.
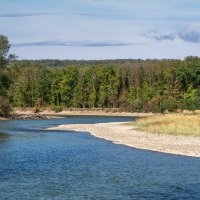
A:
36, 164
3, 136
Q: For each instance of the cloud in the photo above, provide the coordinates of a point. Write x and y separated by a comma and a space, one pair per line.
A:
160, 36
100, 15
13, 15
74, 44
190, 36
81, 14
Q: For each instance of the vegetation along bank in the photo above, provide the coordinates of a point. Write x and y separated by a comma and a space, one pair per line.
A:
130, 85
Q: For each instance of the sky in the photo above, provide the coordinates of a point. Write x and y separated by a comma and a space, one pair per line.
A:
101, 29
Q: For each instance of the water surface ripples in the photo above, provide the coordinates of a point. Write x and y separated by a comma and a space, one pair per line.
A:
37, 164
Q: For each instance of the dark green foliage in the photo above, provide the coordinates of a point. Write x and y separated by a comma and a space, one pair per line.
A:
5, 107
134, 85
68, 83
4, 48
4, 76
57, 108
4, 82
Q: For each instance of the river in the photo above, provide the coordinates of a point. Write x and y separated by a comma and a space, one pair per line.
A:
43, 165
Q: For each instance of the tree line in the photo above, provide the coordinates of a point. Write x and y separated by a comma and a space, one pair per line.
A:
132, 85
5, 81
146, 86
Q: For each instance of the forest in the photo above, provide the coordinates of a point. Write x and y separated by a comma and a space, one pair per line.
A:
130, 85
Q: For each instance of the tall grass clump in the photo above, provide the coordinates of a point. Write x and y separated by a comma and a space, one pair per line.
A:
173, 124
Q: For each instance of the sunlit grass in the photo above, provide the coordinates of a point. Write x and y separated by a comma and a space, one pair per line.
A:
173, 124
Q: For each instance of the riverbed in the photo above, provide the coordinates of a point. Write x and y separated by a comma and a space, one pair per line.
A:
39, 164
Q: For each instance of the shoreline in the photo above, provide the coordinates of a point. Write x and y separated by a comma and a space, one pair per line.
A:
49, 114
81, 112
124, 134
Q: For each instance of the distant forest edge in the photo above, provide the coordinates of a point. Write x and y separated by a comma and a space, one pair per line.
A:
131, 85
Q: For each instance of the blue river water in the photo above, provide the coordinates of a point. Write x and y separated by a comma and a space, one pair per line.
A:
44, 165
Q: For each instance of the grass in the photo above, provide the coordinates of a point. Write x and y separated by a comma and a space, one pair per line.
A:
172, 124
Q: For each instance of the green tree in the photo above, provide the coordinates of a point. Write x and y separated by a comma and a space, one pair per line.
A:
4, 78
67, 85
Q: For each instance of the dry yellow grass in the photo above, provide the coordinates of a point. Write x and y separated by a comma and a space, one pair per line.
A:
173, 124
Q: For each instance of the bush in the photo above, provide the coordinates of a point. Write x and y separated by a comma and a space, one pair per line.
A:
168, 104
57, 109
191, 104
5, 107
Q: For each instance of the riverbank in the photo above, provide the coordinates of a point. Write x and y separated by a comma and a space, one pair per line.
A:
123, 133
3, 118
25, 116
84, 112
29, 113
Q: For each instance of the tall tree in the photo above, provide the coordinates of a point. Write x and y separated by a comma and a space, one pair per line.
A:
4, 78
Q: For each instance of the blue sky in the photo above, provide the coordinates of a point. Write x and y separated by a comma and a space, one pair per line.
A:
101, 29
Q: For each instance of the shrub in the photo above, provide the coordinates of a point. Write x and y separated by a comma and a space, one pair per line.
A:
168, 104
5, 107
57, 109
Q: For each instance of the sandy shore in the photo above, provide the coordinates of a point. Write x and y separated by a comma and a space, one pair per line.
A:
81, 112
2, 118
29, 113
121, 133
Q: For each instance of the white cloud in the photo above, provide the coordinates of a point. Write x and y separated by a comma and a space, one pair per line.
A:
120, 21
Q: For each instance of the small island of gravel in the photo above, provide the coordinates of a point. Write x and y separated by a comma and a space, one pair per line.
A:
129, 135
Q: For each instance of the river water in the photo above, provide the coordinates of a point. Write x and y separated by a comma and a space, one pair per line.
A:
38, 164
